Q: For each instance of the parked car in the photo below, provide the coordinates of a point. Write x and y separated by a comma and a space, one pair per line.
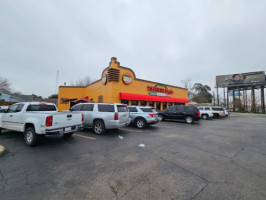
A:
180, 112
3, 108
226, 111
217, 111
102, 116
205, 112
141, 116
39, 119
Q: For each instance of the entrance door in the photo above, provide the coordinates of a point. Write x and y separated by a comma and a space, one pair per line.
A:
158, 105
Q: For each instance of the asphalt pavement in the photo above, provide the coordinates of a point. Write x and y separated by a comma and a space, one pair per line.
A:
211, 159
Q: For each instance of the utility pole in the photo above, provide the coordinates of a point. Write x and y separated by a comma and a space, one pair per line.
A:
214, 98
56, 81
217, 96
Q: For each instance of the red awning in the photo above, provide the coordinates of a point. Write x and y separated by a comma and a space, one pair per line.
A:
140, 97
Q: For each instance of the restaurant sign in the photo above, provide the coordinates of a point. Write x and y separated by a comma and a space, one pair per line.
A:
158, 91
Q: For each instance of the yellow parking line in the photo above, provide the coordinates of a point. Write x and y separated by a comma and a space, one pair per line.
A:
126, 129
91, 138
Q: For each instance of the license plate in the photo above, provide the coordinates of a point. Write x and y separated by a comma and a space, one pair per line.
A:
68, 129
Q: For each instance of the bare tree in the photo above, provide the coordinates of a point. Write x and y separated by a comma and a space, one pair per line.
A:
5, 85
187, 84
82, 81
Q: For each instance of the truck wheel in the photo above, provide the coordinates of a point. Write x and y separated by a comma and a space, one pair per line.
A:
189, 120
216, 116
161, 118
205, 116
0, 131
140, 123
68, 134
30, 137
98, 127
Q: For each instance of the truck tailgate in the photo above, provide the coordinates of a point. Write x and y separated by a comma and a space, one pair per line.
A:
66, 119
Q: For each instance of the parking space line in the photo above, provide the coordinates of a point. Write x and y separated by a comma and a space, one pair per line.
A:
127, 129
91, 138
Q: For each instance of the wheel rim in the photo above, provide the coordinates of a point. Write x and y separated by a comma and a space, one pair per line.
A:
29, 136
189, 120
98, 128
160, 117
204, 117
140, 123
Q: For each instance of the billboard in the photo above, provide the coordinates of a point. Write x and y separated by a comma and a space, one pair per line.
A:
236, 94
240, 79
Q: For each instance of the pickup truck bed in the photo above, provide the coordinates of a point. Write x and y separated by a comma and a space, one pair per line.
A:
35, 119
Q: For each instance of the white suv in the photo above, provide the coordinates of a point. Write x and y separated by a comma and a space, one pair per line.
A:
102, 116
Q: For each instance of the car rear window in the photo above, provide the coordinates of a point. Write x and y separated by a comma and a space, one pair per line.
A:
122, 108
218, 109
207, 108
146, 109
87, 107
41, 108
106, 108
132, 109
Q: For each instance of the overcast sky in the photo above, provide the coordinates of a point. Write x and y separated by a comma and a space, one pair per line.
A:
163, 41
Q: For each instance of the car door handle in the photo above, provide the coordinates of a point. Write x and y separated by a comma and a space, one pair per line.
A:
10, 115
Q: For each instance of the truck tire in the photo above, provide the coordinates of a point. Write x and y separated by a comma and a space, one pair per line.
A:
98, 127
204, 116
0, 131
68, 134
189, 119
140, 123
30, 137
216, 116
161, 118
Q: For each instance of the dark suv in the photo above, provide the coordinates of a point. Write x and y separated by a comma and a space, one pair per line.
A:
180, 112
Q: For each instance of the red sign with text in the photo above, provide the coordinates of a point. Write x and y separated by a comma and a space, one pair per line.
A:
161, 90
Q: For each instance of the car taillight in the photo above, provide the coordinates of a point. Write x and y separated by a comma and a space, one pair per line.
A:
199, 114
116, 116
82, 118
49, 121
152, 115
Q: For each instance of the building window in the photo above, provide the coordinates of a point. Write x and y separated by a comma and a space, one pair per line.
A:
100, 99
151, 103
143, 103
164, 105
179, 104
134, 102
124, 101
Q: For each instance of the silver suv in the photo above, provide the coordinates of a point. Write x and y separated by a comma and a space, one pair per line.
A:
143, 115
102, 116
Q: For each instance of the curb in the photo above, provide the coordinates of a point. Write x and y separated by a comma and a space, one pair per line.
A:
2, 150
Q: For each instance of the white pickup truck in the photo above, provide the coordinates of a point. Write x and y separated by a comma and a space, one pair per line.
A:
206, 112
37, 119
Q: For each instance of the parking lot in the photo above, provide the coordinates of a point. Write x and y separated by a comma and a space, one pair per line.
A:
210, 159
